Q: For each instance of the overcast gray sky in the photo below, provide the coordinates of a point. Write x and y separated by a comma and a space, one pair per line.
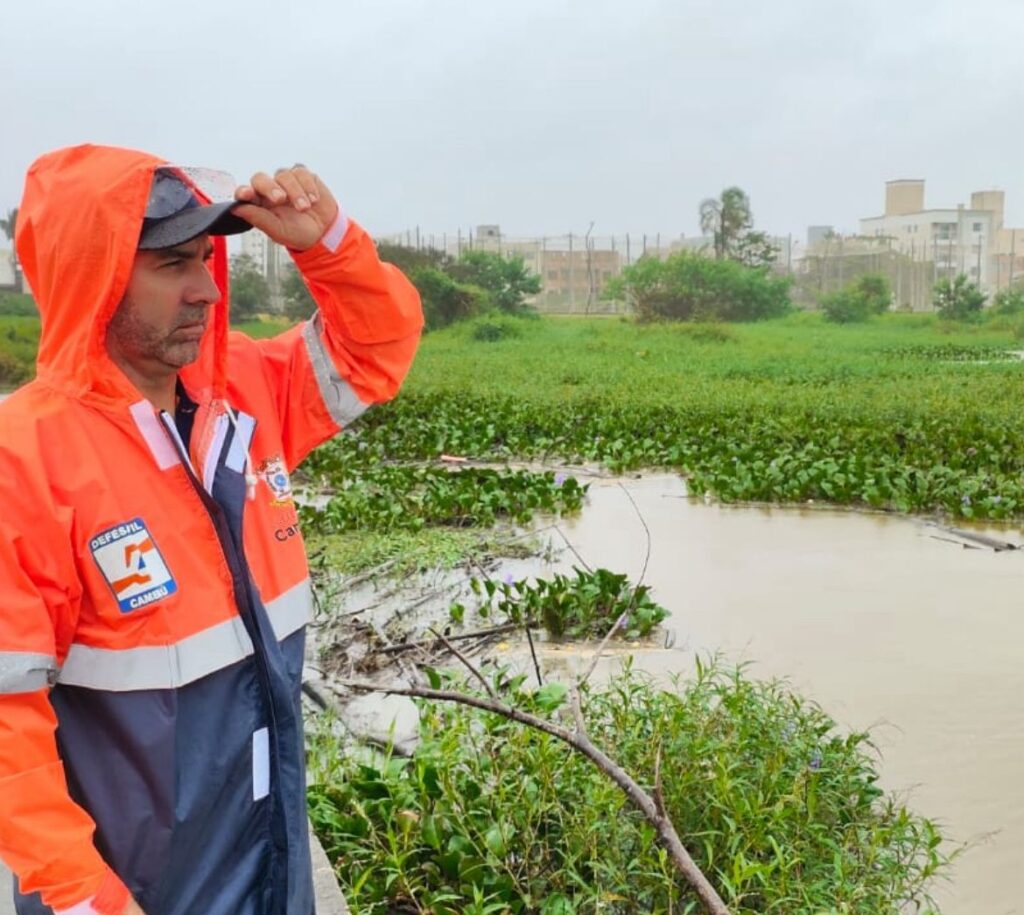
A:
540, 115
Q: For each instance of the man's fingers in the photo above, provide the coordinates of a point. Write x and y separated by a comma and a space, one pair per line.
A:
259, 217
296, 183
268, 192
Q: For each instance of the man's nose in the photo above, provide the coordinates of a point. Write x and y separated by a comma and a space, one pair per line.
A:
203, 290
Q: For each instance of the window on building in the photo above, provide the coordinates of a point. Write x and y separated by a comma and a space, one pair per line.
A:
978, 226
552, 274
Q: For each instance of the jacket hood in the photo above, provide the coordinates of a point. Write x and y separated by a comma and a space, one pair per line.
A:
78, 230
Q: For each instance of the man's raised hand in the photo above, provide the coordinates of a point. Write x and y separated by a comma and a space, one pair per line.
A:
294, 207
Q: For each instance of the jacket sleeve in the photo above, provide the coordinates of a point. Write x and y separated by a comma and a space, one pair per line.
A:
354, 352
45, 837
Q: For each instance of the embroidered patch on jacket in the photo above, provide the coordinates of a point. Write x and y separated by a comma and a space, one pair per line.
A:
276, 477
132, 565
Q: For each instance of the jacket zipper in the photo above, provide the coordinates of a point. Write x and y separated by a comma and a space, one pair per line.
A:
241, 589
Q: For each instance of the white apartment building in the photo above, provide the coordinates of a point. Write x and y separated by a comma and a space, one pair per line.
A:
961, 239
270, 259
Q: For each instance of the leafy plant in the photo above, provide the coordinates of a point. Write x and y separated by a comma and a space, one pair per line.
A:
389, 497
691, 287
779, 808
958, 299
583, 605
506, 280
1008, 302
250, 292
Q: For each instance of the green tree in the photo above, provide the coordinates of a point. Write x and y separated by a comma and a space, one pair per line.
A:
409, 259
298, 303
250, 293
876, 290
446, 300
689, 287
9, 223
726, 219
506, 280
845, 306
756, 249
1008, 301
868, 295
959, 299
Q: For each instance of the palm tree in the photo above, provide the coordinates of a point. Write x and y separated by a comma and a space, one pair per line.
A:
9, 223
725, 219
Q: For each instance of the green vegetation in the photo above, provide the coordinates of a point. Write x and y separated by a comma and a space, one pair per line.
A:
870, 294
1008, 302
19, 304
895, 414
402, 552
250, 292
454, 289
958, 299
729, 221
579, 606
369, 495
19, 340
691, 287
779, 808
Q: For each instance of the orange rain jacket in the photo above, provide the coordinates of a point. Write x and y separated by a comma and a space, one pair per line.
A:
152, 610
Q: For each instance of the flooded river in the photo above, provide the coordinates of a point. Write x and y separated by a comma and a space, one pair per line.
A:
872, 616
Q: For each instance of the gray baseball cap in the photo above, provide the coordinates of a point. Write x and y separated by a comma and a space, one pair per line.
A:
176, 213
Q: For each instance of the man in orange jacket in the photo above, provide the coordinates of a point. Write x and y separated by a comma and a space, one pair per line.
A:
153, 584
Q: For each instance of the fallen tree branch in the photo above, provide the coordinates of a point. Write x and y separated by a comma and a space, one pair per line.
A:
579, 741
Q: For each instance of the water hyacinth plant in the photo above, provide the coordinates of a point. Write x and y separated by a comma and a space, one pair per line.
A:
780, 809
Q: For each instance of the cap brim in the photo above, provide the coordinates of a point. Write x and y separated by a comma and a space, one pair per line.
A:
213, 219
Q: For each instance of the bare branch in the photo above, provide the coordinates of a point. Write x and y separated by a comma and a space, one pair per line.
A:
458, 637
573, 549
632, 603
636, 795
467, 664
533, 654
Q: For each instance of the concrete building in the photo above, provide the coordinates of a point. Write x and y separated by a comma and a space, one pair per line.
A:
270, 259
969, 239
9, 276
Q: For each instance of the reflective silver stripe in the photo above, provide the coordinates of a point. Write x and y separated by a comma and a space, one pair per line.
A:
342, 402
83, 908
333, 236
245, 425
150, 429
220, 432
292, 610
171, 666
158, 667
25, 671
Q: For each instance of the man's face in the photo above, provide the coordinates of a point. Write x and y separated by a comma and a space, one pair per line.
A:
160, 322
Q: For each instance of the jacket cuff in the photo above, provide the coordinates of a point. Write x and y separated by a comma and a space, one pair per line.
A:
111, 899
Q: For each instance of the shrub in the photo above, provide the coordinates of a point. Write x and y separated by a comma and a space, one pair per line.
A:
780, 809
506, 280
868, 295
1008, 302
298, 302
876, 290
446, 300
18, 303
250, 292
959, 299
847, 306
691, 287
490, 331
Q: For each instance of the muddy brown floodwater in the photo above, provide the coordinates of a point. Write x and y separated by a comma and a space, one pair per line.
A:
881, 623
